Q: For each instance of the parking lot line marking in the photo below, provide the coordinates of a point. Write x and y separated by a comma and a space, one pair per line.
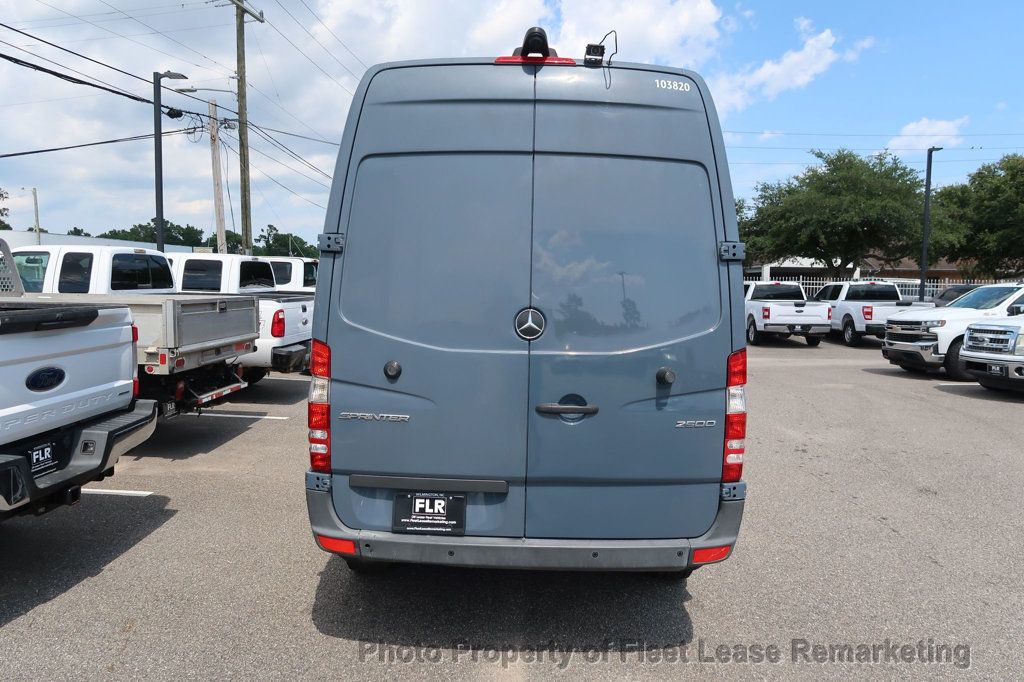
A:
238, 416
123, 493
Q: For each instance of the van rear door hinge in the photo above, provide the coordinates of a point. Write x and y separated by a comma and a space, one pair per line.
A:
332, 243
728, 251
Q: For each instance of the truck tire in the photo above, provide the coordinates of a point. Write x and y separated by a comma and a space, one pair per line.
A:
754, 337
851, 337
253, 375
952, 362
813, 341
365, 567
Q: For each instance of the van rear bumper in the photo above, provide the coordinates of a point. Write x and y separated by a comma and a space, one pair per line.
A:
526, 553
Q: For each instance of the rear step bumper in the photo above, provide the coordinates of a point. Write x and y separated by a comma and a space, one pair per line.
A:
98, 446
526, 553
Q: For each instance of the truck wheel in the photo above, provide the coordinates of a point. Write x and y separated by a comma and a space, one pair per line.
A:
365, 567
253, 375
813, 341
851, 337
754, 337
952, 362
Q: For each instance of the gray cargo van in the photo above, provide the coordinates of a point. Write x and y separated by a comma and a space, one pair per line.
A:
528, 336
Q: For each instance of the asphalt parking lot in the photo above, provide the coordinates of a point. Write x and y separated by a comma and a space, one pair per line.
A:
882, 506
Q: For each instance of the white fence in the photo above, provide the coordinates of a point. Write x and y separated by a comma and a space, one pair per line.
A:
908, 287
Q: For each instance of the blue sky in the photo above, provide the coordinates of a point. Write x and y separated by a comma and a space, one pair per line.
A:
872, 75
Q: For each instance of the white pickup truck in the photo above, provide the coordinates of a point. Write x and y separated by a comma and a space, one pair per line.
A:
862, 307
294, 274
68, 409
78, 269
919, 340
782, 308
285, 327
993, 351
189, 346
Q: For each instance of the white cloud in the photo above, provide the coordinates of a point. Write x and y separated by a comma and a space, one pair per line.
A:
853, 54
1001, 106
929, 132
769, 135
100, 188
680, 33
793, 70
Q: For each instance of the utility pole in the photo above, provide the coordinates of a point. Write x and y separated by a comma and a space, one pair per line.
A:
218, 186
243, 120
927, 220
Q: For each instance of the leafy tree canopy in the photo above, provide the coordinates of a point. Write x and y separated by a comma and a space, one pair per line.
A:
838, 213
982, 220
174, 233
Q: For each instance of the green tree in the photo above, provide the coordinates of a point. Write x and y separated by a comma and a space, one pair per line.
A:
838, 213
4, 211
981, 222
272, 242
78, 232
183, 235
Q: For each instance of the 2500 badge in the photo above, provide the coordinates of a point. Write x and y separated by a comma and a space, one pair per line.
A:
696, 423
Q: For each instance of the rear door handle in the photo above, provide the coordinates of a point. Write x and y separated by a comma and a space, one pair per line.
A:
555, 408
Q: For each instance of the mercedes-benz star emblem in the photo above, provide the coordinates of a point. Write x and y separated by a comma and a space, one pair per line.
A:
529, 324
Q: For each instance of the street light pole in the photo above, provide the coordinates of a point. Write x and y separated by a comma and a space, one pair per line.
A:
35, 204
158, 153
927, 220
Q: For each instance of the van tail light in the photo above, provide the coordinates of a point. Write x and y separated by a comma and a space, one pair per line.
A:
735, 418
319, 409
135, 334
868, 311
277, 325
135, 385
766, 313
830, 313
135, 364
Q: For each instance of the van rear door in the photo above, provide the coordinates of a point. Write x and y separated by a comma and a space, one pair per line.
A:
627, 216
435, 267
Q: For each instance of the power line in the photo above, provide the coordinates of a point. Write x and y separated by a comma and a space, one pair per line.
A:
72, 79
137, 42
285, 165
863, 149
773, 132
144, 12
276, 182
173, 40
131, 75
317, 17
287, 150
308, 58
136, 35
282, 108
313, 37
266, 66
304, 137
147, 136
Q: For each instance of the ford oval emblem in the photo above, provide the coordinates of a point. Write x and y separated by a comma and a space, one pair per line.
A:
45, 379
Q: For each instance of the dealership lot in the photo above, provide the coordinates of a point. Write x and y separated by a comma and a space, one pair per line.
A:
882, 505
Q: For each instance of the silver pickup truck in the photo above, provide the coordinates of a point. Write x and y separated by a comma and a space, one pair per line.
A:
68, 406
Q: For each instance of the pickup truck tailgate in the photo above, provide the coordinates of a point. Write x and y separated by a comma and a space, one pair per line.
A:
57, 373
796, 312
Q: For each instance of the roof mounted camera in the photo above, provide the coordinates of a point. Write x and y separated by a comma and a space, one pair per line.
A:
535, 42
